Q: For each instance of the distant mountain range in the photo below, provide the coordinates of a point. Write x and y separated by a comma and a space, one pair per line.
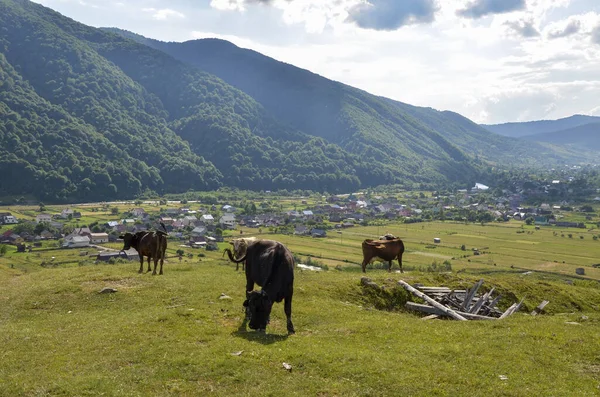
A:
96, 114
577, 132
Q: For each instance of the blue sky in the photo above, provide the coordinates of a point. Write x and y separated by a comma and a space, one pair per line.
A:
490, 60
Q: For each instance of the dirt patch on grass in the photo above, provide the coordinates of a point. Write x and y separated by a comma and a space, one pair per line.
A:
119, 284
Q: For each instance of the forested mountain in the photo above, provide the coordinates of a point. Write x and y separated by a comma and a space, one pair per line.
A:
518, 130
349, 117
88, 114
585, 136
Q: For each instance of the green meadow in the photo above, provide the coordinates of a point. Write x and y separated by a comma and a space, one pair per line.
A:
172, 335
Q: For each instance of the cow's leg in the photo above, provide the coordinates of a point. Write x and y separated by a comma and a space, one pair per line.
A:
162, 261
288, 311
149, 268
365, 262
155, 265
390, 266
141, 264
400, 262
249, 288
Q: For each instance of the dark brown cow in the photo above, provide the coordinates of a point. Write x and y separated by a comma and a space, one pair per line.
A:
387, 250
270, 265
152, 244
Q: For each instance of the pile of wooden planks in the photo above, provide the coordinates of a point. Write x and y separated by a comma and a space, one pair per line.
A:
460, 304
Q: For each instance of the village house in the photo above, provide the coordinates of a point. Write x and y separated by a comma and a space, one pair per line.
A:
167, 220
189, 220
6, 218
307, 214
82, 231
318, 233
228, 221
99, 238
106, 256
43, 218
172, 212
8, 237
76, 241
208, 219
199, 231
301, 230
138, 212
66, 212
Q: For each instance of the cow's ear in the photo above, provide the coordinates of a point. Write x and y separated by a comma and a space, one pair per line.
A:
121, 237
246, 303
231, 242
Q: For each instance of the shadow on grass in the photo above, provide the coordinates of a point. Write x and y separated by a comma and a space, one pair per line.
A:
254, 336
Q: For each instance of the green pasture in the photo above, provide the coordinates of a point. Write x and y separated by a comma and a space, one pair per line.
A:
500, 245
171, 335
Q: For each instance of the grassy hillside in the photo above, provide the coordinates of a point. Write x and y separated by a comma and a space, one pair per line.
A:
172, 335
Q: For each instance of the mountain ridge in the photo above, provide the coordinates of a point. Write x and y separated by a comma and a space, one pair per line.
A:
522, 129
91, 113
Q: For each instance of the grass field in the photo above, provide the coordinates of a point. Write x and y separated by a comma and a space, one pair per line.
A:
171, 335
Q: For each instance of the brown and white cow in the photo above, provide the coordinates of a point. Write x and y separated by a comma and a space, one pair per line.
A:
239, 248
387, 250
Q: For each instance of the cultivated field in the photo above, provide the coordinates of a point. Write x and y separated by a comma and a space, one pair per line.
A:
172, 335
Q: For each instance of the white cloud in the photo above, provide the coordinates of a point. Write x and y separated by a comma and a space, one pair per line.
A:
164, 14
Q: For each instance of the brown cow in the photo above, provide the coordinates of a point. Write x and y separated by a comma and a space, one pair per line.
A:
387, 250
270, 265
152, 244
239, 248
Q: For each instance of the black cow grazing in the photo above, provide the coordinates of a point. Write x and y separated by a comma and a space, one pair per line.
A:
387, 250
152, 244
270, 265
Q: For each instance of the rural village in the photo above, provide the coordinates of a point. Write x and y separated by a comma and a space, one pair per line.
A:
201, 226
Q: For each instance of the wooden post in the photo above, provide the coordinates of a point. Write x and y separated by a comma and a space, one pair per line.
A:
540, 307
432, 302
508, 311
477, 306
467, 302
432, 310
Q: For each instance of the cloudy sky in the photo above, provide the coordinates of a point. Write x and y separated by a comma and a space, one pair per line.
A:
491, 60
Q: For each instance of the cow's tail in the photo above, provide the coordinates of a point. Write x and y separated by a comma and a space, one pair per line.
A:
231, 258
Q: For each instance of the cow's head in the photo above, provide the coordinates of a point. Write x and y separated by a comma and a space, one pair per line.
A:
260, 309
239, 247
127, 240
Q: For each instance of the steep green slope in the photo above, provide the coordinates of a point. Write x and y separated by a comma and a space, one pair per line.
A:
47, 153
359, 122
423, 138
71, 76
135, 97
